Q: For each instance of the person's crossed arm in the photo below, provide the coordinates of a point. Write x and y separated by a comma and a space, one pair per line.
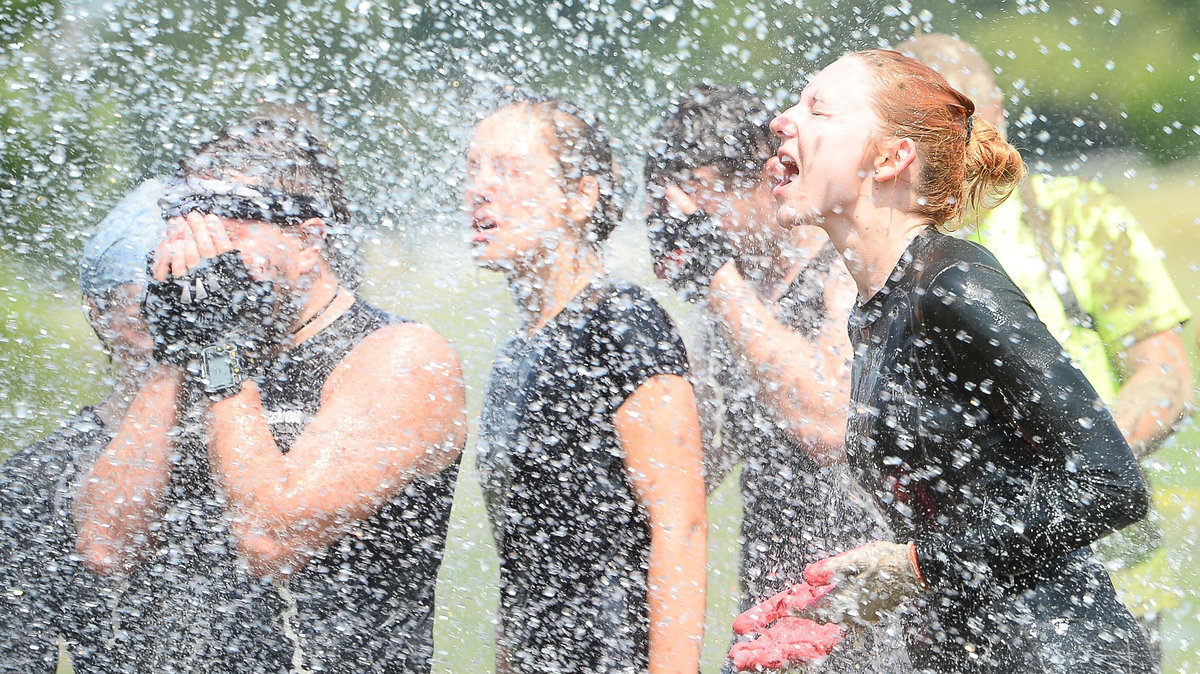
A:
804, 381
391, 412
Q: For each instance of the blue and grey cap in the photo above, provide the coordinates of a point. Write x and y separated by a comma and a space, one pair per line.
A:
116, 252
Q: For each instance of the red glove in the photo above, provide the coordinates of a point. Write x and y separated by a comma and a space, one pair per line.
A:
794, 599
788, 642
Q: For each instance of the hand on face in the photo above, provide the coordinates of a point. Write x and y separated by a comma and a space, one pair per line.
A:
681, 200
189, 241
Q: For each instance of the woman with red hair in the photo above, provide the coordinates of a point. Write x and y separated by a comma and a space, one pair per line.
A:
991, 455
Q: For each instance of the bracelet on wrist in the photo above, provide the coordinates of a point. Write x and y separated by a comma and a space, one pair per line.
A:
916, 565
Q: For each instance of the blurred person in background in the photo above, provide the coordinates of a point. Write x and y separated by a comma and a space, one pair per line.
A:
589, 450
1100, 286
277, 496
46, 593
987, 449
776, 357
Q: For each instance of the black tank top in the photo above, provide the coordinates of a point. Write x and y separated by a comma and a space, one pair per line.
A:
365, 604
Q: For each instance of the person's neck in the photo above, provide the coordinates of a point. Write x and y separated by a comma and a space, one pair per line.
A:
327, 300
872, 243
544, 287
130, 378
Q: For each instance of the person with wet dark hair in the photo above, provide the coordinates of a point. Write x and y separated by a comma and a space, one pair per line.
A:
589, 450
991, 455
277, 496
45, 594
776, 301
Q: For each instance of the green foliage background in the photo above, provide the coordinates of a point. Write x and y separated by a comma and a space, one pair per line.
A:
94, 96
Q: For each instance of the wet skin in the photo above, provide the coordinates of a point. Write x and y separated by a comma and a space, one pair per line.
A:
531, 223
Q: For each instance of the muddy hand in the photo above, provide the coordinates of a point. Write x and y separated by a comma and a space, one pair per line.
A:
788, 643
789, 602
867, 582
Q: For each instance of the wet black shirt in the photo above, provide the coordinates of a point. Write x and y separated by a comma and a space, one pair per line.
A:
983, 443
46, 591
573, 540
364, 605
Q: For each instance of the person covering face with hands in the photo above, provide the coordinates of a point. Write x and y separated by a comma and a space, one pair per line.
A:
987, 450
48, 594
277, 496
775, 375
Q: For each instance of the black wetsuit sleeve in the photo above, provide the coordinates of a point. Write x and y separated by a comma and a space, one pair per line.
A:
1064, 476
642, 340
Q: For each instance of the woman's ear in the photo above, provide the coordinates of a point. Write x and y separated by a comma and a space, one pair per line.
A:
313, 234
895, 157
583, 202
314, 231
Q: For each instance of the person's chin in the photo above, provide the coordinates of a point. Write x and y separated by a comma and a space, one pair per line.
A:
788, 216
791, 216
486, 258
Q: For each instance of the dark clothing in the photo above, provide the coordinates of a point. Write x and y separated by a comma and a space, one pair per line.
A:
573, 540
794, 511
985, 446
364, 605
45, 592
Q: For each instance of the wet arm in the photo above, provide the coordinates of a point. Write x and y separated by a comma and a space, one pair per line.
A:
391, 412
1156, 393
805, 382
120, 496
1086, 482
659, 431
1137, 311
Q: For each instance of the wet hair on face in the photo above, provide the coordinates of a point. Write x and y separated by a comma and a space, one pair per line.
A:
963, 161
727, 128
285, 157
582, 148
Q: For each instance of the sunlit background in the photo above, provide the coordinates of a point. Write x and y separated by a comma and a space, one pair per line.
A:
95, 96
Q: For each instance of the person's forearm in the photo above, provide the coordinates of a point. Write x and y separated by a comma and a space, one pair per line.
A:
676, 594
247, 459
285, 508
794, 379
1149, 408
120, 496
250, 468
1156, 393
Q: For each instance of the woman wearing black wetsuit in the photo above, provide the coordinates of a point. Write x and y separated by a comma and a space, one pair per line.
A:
989, 452
589, 449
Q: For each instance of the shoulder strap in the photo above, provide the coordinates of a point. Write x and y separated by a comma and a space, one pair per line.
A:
1039, 225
